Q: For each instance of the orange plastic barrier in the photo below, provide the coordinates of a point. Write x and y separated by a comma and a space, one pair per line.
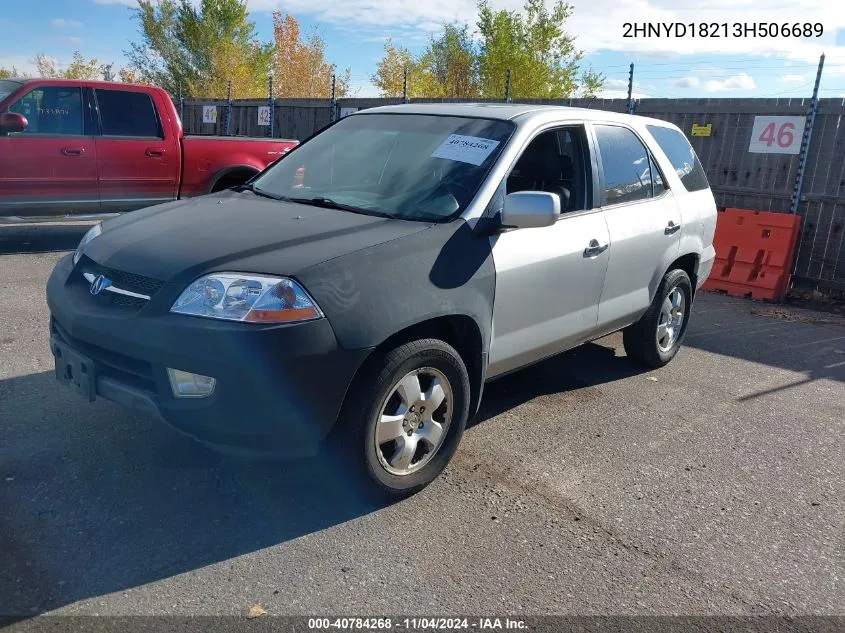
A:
754, 252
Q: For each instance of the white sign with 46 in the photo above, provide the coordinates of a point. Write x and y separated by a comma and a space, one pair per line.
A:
777, 134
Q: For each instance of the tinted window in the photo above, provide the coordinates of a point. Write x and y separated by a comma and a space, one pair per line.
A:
627, 174
682, 156
52, 110
554, 162
414, 166
125, 113
7, 88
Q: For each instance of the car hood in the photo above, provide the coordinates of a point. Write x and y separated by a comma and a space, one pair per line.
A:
236, 231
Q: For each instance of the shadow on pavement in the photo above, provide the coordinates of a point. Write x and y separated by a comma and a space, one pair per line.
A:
801, 341
41, 238
587, 366
97, 500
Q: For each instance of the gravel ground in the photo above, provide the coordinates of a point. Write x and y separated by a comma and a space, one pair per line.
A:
585, 486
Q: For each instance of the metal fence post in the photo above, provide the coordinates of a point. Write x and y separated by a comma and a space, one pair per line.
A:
405, 85
272, 103
805, 143
508, 86
630, 108
229, 108
333, 111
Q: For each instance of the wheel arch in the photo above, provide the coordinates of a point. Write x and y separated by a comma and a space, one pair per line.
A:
237, 174
461, 331
689, 264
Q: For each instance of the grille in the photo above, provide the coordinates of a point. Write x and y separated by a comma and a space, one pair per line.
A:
128, 281
124, 368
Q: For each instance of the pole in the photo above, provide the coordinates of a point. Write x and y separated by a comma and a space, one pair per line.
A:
229, 108
508, 86
181, 106
271, 101
405, 85
797, 190
630, 108
333, 113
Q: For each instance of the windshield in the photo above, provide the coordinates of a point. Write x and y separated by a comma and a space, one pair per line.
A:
411, 166
8, 87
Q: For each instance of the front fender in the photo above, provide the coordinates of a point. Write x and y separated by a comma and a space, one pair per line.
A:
373, 293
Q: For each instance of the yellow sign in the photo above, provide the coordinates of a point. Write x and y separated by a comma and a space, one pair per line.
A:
702, 130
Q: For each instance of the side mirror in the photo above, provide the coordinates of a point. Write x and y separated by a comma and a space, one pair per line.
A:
12, 122
530, 209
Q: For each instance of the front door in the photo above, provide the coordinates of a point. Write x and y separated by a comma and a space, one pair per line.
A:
138, 166
51, 167
549, 280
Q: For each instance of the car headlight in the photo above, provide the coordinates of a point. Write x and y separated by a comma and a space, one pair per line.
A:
249, 298
93, 232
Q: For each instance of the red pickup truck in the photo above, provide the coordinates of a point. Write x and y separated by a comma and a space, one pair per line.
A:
87, 147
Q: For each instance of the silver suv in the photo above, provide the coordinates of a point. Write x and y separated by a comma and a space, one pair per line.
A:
358, 294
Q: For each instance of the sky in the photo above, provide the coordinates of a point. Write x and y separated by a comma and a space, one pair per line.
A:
355, 31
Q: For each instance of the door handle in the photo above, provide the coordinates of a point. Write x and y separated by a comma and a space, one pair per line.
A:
672, 228
595, 248
73, 151
155, 151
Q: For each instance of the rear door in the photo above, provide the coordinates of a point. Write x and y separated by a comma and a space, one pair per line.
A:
138, 165
643, 220
51, 167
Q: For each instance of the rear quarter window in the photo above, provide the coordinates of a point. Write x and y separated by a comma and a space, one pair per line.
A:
682, 156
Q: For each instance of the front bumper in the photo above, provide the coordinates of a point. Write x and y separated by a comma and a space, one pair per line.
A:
279, 387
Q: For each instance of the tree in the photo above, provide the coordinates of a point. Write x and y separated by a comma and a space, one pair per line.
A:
452, 62
200, 48
458, 63
591, 83
79, 67
390, 74
541, 56
300, 68
8, 73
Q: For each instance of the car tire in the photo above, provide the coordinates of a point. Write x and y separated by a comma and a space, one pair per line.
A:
658, 335
383, 409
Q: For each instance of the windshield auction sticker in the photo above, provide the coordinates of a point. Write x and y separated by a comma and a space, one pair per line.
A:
466, 149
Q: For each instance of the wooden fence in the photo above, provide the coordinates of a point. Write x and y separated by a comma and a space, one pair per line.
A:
739, 178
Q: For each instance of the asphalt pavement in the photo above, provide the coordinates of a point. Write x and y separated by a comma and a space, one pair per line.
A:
586, 485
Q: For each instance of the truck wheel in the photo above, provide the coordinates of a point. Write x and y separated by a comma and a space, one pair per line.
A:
407, 419
656, 337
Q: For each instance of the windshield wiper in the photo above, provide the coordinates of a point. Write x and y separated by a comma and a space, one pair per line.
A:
328, 203
256, 191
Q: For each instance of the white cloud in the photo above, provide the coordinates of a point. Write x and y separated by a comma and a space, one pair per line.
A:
686, 82
618, 89
795, 79
741, 81
66, 24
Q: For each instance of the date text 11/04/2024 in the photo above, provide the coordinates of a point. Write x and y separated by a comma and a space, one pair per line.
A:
722, 29
408, 625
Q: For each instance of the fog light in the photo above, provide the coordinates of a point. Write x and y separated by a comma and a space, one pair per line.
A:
187, 385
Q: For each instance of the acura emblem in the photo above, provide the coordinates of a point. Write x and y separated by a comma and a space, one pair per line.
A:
99, 284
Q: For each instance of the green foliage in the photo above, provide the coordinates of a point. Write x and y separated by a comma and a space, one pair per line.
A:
199, 49
541, 56
8, 73
533, 44
451, 63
